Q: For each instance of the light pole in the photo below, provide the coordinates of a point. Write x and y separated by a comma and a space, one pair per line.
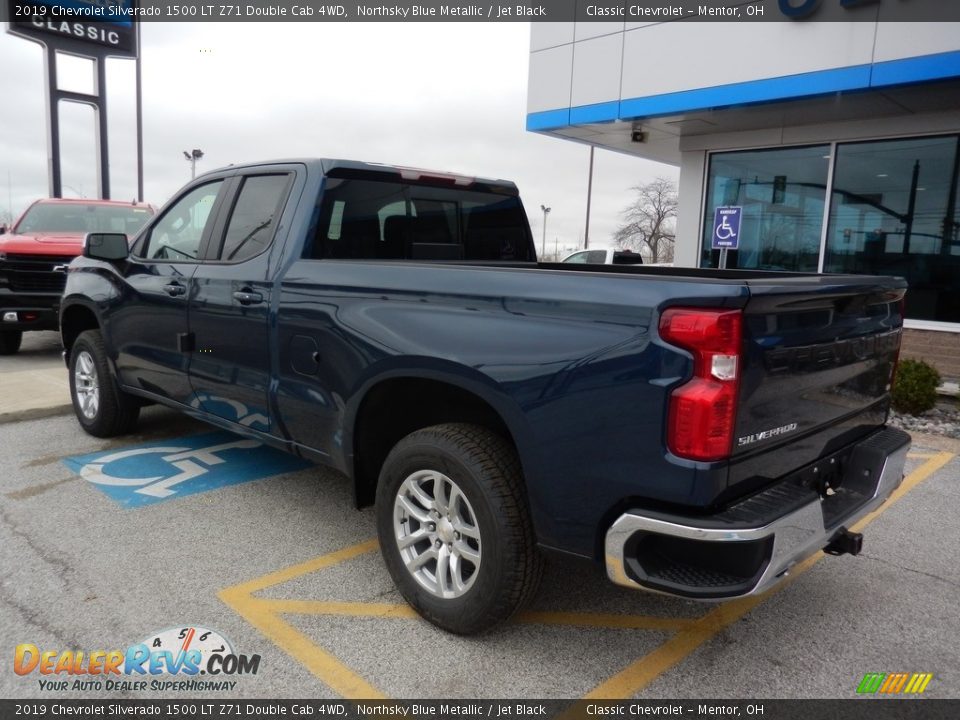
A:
192, 158
138, 84
586, 230
543, 245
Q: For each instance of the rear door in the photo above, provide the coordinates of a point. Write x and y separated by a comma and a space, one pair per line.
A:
151, 323
230, 299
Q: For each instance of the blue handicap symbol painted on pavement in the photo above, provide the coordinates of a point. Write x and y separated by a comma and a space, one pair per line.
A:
164, 470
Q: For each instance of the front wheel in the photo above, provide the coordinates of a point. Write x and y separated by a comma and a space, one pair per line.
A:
10, 341
454, 527
101, 407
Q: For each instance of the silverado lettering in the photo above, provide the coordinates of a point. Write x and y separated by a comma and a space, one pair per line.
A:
839, 352
755, 437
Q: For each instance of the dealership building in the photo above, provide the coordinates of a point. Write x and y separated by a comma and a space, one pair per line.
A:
839, 140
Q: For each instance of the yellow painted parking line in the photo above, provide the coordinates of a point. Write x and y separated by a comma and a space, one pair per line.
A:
294, 571
639, 674
265, 615
324, 665
348, 609
921, 455
404, 611
687, 634
261, 613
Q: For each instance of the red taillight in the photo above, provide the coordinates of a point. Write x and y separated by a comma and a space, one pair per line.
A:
703, 411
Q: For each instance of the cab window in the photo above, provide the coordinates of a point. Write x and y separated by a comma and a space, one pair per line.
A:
627, 257
176, 236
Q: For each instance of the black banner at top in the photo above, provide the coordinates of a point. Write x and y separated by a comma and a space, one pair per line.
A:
77, 17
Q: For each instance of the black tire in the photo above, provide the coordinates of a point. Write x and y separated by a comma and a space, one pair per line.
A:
486, 470
116, 412
10, 341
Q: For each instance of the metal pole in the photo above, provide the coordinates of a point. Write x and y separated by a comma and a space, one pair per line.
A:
103, 143
949, 220
53, 113
911, 207
139, 121
543, 243
586, 232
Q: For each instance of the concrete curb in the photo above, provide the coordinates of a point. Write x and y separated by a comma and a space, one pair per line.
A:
36, 413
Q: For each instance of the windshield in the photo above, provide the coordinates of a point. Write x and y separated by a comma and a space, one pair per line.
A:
82, 218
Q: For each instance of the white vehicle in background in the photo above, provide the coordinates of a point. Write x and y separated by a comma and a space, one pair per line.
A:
604, 256
610, 256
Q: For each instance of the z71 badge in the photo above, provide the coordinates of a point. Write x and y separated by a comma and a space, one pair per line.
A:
765, 435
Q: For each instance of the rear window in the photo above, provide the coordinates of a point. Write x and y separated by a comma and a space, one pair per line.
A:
82, 218
627, 257
588, 256
375, 220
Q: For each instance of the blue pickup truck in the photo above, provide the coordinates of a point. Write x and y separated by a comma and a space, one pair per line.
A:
695, 432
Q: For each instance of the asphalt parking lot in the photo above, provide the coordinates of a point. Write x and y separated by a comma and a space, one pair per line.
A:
107, 543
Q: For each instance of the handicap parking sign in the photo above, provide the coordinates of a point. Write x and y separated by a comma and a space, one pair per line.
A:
726, 228
158, 471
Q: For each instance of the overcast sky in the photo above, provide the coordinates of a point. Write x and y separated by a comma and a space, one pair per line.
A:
439, 96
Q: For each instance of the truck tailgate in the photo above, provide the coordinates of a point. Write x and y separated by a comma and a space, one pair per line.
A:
819, 357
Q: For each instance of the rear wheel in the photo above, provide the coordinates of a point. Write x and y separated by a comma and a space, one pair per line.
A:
101, 407
454, 527
10, 341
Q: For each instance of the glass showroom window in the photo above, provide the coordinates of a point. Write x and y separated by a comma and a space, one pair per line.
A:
895, 211
782, 194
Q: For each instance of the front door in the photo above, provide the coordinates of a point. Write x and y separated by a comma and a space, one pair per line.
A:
152, 321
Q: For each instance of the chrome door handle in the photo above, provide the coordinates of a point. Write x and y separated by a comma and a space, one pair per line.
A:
174, 289
246, 297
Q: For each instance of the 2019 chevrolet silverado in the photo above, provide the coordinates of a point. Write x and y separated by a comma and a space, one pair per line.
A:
35, 253
694, 432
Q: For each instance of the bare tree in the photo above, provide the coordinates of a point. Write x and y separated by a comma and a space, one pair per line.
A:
650, 221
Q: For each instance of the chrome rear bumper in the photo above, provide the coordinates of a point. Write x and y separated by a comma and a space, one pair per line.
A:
778, 544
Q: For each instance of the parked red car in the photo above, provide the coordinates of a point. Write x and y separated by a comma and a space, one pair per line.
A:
35, 252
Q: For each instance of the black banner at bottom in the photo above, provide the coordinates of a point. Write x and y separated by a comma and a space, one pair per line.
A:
874, 708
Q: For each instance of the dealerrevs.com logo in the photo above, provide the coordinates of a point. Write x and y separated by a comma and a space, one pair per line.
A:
171, 660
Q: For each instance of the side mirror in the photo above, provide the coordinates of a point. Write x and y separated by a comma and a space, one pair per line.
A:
3, 229
106, 246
